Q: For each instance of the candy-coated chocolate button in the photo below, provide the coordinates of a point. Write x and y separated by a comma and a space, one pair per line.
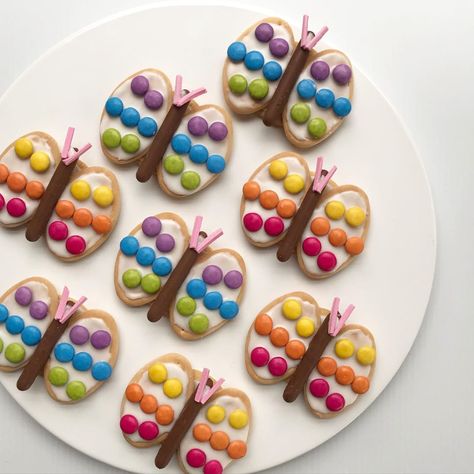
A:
148, 430
173, 164
258, 89
279, 47
198, 126
345, 375
102, 224
366, 355
80, 190
268, 199
151, 283
228, 309
23, 148
251, 190
238, 419
58, 376
172, 388
337, 237
34, 190
294, 183
327, 366
335, 210
317, 127
295, 349
342, 74
263, 324
254, 60
75, 245
31, 335
278, 169
279, 337
320, 70
4, 173
186, 306
342, 106
103, 196
82, 217
344, 348
196, 457
291, 309
335, 402
16, 207
305, 327
76, 390
15, 353
219, 440
311, 246
153, 99
130, 143
213, 467
58, 230
354, 245
114, 106
274, 226
157, 373
360, 384
190, 180
286, 208
325, 98
252, 221
38, 310
101, 371
236, 51
111, 138
129, 245
202, 432
199, 323
355, 216
162, 266
237, 449
215, 414
272, 71
14, 325
64, 352
196, 288
217, 131
128, 424
65, 209
259, 356
213, 300
300, 113
277, 366
2, 202
320, 226
148, 404
139, 85
130, 117
16, 182
319, 388
164, 415
306, 89
40, 161
326, 261
264, 32
23, 296
237, 84
134, 392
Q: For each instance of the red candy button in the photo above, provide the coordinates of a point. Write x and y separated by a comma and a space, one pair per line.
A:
319, 388
277, 366
2, 202
196, 457
148, 430
58, 230
16, 207
253, 221
213, 467
128, 424
327, 261
335, 402
259, 357
75, 245
274, 226
311, 246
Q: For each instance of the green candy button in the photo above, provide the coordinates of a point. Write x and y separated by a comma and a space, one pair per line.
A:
237, 84
15, 353
258, 89
186, 306
198, 323
317, 127
1, 345
132, 278
111, 138
190, 180
58, 376
130, 143
75, 390
300, 112
173, 164
151, 283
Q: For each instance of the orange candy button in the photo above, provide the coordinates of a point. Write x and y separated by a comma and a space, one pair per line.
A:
164, 415
320, 226
202, 432
16, 182
268, 199
219, 440
237, 449
345, 375
251, 190
82, 217
286, 208
354, 245
148, 404
101, 224
3, 172
65, 209
327, 366
337, 237
134, 393
295, 349
360, 384
263, 324
279, 337
34, 189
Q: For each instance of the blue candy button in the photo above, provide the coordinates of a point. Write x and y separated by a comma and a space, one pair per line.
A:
145, 256
254, 60
198, 154
215, 164
101, 371
236, 52
342, 106
14, 324
129, 245
325, 98
181, 143
147, 127
4, 313
130, 117
213, 300
114, 106
31, 335
162, 266
229, 309
82, 361
272, 71
196, 288
64, 352
306, 89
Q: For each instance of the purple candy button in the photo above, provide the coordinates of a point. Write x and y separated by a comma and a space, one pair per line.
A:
279, 47
79, 335
23, 296
38, 310
165, 243
153, 100
101, 339
151, 226
319, 70
233, 279
212, 275
264, 32
342, 74
198, 126
218, 131
140, 85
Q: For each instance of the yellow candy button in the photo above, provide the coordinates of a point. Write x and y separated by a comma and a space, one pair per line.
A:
291, 309
238, 419
157, 373
215, 414
294, 183
366, 355
103, 196
23, 148
355, 216
344, 348
278, 169
80, 190
173, 388
305, 327
335, 210
40, 162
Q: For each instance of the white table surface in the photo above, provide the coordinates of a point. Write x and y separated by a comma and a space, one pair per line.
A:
420, 54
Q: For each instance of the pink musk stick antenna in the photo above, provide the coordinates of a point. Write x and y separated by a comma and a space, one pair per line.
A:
336, 320
308, 39
178, 99
203, 395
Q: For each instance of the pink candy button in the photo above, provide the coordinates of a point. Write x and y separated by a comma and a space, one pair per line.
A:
16, 207
148, 430
274, 226
327, 261
75, 245
311, 246
196, 457
58, 230
213, 467
319, 388
253, 222
335, 402
2, 202
259, 357
128, 424
277, 366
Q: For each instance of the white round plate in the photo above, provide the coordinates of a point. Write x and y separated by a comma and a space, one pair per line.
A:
389, 284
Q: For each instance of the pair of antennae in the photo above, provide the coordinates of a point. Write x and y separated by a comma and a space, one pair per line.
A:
66, 156
194, 240
63, 313
308, 39
179, 99
336, 320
